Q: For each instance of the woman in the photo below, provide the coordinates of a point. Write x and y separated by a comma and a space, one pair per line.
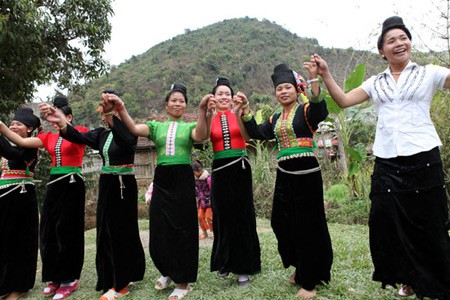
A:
18, 209
409, 242
236, 245
298, 216
120, 258
62, 216
173, 214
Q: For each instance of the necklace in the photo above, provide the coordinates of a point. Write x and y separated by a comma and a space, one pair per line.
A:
396, 73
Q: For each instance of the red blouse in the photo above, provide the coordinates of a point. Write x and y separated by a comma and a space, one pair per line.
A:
225, 132
63, 152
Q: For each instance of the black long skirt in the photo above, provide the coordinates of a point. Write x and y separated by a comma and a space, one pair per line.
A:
299, 223
62, 229
174, 224
409, 241
236, 246
18, 239
120, 256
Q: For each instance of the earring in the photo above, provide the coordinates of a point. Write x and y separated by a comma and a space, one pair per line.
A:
29, 131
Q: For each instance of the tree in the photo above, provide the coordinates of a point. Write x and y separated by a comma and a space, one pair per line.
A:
346, 122
43, 41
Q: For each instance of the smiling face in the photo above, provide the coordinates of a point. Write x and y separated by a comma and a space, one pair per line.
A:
176, 105
223, 97
396, 46
286, 94
19, 128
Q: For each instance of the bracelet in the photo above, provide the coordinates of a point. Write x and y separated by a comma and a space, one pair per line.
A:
247, 117
108, 113
245, 105
312, 80
120, 107
64, 127
318, 97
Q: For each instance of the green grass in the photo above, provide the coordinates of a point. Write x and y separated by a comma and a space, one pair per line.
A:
351, 272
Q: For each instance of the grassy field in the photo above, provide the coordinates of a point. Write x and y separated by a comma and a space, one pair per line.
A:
351, 272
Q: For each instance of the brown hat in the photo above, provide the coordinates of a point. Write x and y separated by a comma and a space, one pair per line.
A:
391, 23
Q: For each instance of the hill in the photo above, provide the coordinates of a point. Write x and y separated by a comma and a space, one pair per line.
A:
243, 49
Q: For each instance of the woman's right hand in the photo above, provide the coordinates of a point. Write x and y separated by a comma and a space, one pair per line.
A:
52, 114
110, 101
321, 63
240, 102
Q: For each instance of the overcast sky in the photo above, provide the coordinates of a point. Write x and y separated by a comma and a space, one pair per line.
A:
137, 25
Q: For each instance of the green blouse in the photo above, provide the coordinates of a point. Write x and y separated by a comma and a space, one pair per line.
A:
172, 140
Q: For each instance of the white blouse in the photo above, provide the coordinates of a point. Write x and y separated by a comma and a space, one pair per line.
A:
404, 126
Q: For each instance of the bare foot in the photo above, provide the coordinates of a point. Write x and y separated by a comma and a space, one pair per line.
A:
305, 294
292, 278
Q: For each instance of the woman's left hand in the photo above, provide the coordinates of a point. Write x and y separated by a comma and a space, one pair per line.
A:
312, 68
240, 101
51, 114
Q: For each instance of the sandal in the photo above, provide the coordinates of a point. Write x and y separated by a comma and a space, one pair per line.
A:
65, 291
179, 293
405, 291
163, 282
223, 275
112, 295
50, 289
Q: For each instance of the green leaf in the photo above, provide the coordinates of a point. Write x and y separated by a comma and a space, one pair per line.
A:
355, 79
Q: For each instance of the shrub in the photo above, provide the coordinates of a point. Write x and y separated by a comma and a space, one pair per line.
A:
339, 193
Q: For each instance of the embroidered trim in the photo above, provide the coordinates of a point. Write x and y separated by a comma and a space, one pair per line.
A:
284, 130
306, 118
170, 140
225, 132
106, 148
305, 154
58, 156
9, 174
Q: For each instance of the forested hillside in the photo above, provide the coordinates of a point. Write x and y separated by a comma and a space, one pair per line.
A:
245, 50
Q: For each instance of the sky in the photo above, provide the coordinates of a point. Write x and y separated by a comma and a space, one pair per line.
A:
138, 25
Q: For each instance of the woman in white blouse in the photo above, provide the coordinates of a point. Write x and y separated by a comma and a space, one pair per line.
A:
409, 241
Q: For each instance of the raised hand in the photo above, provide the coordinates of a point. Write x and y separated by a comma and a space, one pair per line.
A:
52, 114
322, 66
311, 67
208, 103
109, 101
240, 101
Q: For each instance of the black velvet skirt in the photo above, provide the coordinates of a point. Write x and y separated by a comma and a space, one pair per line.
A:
62, 229
236, 245
120, 257
174, 224
299, 223
409, 241
18, 239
